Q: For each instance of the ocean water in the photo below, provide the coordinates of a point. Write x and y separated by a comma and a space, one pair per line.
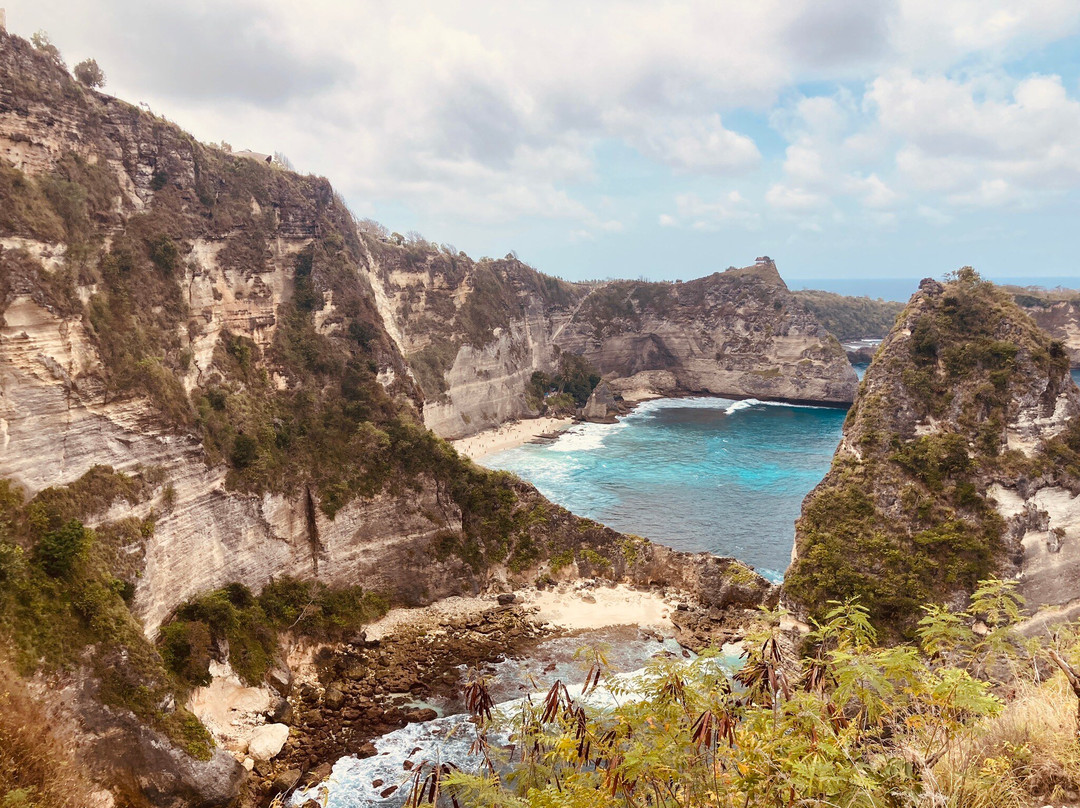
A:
1076, 375
696, 474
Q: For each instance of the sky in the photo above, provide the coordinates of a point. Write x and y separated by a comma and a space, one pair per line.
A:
846, 139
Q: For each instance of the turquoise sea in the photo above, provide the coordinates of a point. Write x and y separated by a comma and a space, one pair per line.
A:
695, 474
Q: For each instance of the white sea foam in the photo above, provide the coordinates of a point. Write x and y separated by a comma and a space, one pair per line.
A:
585, 437
745, 404
728, 405
444, 740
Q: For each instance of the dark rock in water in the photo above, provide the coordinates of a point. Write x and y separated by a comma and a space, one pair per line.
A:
376, 783
285, 780
387, 792
366, 750
861, 356
408, 765
507, 598
420, 716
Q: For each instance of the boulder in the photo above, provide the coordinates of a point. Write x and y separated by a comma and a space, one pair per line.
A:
285, 780
280, 678
601, 405
334, 698
267, 741
420, 715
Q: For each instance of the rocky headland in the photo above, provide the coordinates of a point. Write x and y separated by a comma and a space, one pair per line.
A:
474, 333
960, 459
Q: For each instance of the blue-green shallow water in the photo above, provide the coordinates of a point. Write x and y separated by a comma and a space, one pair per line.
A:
695, 474
1076, 375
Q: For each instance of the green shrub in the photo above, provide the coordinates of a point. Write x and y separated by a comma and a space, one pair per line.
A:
60, 550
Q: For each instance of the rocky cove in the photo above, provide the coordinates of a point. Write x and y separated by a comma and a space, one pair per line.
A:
351, 701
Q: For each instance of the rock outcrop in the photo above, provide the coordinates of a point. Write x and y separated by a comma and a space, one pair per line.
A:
737, 333
213, 341
960, 459
1056, 312
601, 406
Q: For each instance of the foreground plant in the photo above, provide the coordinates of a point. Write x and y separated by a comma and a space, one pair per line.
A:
853, 724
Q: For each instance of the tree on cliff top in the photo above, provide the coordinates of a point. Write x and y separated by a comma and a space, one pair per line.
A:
43, 43
89, 73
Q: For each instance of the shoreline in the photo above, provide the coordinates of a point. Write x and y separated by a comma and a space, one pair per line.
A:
510, 435
513, 434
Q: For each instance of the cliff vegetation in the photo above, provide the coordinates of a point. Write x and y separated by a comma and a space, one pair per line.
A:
853, 723
847, 317
905, 517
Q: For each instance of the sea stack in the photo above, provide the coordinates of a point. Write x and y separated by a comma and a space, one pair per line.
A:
960, 459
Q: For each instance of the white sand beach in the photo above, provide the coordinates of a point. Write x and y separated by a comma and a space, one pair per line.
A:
508, 436
570, 606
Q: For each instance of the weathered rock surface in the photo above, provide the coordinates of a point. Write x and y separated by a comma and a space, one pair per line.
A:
958, 461
267, 741
211, 250
736, 333
475, 332
1058, 314
601, 405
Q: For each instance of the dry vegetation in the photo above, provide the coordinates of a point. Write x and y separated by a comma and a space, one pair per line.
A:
36, 769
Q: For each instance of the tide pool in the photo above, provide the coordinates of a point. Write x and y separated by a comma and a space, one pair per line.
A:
696, 474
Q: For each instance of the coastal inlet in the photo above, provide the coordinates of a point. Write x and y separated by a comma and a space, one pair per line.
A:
697, 474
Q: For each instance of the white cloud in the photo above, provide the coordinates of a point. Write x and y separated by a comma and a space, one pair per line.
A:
701, 145
466, 115
793, 199
980, 142
694, 213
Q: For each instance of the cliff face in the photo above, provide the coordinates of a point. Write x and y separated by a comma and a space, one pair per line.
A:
959, 460
219, 333
474, 332
736, 333
1057, 313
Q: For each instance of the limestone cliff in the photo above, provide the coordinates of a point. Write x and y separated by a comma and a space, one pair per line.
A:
960, 459
1057, 312
474, 333
203, 358
736, 333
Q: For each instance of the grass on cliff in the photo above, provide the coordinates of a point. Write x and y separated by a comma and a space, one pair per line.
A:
847, 317
250, 625
908, 522
37, 769
64, 591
